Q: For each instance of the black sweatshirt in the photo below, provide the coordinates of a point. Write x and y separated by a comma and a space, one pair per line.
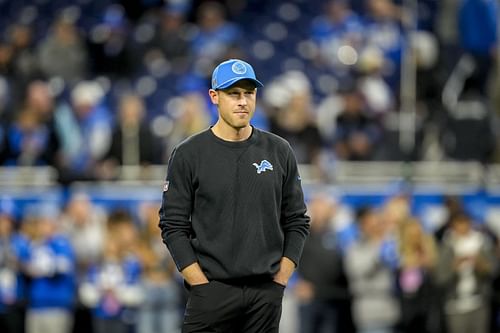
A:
234, 207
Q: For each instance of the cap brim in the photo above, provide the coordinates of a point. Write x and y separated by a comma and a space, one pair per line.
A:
229, 83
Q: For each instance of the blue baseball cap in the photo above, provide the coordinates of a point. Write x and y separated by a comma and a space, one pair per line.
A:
231, 71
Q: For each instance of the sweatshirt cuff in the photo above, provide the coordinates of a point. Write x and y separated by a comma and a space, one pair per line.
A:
182, 252
294, 243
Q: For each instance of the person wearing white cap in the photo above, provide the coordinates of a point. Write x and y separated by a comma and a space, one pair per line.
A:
233, 214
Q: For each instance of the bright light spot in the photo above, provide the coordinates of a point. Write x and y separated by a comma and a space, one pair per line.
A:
347, 55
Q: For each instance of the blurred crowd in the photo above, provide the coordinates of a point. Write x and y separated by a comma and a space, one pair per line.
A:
89, 86
365, 268
85, 269
380, 269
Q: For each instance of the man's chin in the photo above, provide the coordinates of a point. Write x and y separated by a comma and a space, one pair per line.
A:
241, 125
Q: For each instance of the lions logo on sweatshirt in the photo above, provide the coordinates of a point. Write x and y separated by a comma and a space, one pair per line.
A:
263, 166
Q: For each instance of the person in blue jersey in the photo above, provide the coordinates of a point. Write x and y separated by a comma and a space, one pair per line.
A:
112, 287
383, 31
233, 214
13, 249
50, 266
337, 26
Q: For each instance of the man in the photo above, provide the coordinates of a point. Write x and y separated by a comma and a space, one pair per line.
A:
233, 214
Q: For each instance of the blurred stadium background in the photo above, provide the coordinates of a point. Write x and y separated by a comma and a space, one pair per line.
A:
382, 101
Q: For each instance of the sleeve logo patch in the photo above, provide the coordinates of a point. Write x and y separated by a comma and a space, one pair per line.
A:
165, 186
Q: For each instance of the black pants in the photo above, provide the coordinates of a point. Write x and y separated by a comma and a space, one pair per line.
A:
234, 307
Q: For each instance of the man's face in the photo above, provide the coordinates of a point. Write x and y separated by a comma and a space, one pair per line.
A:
236, 104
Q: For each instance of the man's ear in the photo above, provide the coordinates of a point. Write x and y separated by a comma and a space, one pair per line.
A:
214, 96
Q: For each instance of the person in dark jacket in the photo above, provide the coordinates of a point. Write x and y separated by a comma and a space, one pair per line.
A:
131, 141
233, 214
322, 287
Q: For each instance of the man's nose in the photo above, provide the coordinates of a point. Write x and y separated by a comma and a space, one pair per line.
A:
242, 100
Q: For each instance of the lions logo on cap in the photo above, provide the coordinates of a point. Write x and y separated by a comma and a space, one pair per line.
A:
239, 68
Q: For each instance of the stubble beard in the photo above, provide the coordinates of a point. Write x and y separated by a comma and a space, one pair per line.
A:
236, 122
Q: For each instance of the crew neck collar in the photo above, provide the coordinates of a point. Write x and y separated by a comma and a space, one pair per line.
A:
235, 144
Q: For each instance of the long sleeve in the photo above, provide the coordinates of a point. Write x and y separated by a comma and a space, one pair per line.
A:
175, 211
294, 221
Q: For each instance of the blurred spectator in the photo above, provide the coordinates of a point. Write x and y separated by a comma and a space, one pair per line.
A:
395, 213
371, 279
112, 286
172, 38
322, 288
453, 206
6, 58
13, 249
380, 98
159, 263
84, 126
63, 53
21, 39
148, 216
215, 33
291, 115
338, 28
32, 139
25, 67
40, 100
51, 268
357, 133
28, 141
464, 271
189, 117
161, 308
383, 31
415, 279
110, 50
85, 225
479, 40
132, 142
